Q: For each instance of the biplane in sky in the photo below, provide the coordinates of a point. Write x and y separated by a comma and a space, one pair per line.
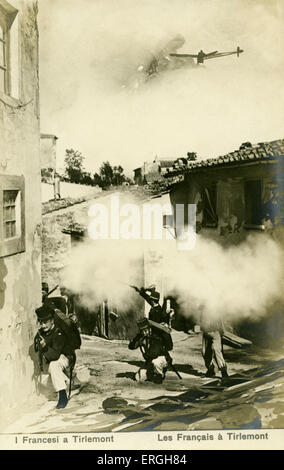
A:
201, 56
166, 58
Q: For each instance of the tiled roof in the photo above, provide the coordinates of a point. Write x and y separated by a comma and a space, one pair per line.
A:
247, 153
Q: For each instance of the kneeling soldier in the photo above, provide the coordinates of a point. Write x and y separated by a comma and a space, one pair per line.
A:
53, 348
155, 346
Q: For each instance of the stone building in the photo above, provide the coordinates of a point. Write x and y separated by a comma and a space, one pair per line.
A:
152, 171
237, 194
20, 200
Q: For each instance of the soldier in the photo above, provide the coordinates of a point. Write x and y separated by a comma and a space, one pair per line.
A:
54, 350
212, 350
155, 346
156, 313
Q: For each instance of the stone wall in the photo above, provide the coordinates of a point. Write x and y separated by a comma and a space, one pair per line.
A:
20, 273
68, 190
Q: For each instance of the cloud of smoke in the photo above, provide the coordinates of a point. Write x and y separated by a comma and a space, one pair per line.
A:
104, 270
229, 283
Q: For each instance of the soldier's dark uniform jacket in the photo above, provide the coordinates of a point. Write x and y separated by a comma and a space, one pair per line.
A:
56, 344
156, 312
152, 346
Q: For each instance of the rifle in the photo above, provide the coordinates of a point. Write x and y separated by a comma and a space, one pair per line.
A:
37, 348
150, 288
170, 362
135, 288
70, 383
160, 326
52, 290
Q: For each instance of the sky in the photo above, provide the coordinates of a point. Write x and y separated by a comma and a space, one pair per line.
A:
90, 49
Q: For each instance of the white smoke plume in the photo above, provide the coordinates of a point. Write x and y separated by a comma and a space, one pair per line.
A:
104, 270
230, 283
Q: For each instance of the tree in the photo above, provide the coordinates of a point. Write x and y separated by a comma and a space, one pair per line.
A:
191, 156
107, 176
74, 165
111, 175
118, 176
97, 181
46, 175
106, 173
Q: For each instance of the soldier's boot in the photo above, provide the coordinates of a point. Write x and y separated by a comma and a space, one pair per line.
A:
224, 372
210, 372
63, 400
157, 378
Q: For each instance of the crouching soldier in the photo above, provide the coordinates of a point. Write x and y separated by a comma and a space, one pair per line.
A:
54, 351
155, 345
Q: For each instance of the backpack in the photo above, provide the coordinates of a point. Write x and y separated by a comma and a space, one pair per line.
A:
69, 328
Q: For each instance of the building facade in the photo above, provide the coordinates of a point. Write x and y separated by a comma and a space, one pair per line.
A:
236, 195
20, 199
152, 171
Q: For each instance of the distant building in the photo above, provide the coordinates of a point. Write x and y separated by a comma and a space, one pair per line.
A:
139, 176
20, 200
152, 171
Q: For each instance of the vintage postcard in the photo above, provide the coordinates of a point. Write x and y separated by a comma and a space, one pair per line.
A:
141, 224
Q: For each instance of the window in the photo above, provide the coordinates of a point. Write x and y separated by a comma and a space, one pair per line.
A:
7, 16
3, 60
253, 207
12, 217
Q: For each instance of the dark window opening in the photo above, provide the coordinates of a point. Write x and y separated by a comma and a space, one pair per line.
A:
253, 206
209, 200
12, 215
9, 213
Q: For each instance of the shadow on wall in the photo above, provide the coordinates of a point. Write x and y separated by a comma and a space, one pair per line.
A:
3, 274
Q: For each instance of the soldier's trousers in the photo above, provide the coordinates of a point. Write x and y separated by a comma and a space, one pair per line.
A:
159, 366
212, 350
57, 369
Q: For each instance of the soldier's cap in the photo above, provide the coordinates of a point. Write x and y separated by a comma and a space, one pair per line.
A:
155, 296
142, 324
45, 312
44, 286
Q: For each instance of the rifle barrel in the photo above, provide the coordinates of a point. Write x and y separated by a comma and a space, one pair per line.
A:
52, 290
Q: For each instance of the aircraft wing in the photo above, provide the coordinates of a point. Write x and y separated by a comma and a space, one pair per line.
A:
183, 55
210, 53
223, 54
